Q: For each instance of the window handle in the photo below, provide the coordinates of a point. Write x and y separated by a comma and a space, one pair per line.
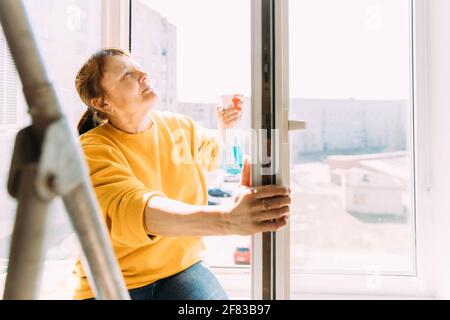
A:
296, 125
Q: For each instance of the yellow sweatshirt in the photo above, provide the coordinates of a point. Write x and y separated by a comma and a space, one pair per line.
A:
126, 171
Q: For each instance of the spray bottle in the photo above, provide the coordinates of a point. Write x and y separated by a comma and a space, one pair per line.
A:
232, 161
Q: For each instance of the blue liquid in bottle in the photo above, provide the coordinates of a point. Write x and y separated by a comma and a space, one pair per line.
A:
232, 166
236, 167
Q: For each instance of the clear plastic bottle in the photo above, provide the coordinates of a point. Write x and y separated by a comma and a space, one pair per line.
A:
232, 161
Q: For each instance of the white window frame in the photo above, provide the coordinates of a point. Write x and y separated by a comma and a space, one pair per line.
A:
256, 120
322, 285
435, 97
116, 24
283, 281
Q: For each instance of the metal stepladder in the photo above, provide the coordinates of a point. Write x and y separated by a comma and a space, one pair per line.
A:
47, 163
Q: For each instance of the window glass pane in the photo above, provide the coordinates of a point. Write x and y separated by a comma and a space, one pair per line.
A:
195, 52
67, 32
351, 170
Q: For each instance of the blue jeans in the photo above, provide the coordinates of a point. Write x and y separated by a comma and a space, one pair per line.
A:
195, 283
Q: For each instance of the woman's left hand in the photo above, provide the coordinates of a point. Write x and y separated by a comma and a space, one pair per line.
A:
228, 117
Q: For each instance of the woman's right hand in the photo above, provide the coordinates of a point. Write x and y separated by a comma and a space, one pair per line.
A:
258, 209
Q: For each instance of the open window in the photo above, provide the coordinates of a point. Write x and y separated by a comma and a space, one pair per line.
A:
347, 68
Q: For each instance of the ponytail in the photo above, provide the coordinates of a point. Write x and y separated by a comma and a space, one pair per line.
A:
86, 122
90, 120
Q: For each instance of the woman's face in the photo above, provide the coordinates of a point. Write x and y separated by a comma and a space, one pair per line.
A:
128, 88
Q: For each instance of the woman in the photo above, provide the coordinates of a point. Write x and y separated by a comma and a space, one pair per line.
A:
146, 170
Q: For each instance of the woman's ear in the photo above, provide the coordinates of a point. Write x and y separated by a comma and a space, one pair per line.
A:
101, 105
97, 103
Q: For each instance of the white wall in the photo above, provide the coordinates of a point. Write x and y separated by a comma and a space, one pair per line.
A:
439, 113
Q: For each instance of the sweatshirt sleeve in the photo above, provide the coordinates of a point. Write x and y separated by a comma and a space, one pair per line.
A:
122, 197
